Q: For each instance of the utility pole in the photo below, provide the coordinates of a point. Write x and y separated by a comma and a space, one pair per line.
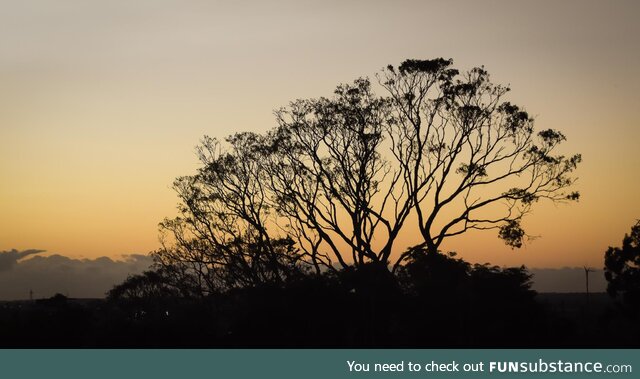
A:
587, 270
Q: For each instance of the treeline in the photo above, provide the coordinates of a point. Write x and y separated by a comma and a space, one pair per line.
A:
435, 300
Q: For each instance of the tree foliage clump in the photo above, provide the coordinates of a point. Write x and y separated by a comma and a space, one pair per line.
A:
622, 269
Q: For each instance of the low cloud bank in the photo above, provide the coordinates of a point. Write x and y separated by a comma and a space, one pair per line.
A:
25, 271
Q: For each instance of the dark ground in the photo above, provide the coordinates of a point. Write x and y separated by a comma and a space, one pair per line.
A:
558, 320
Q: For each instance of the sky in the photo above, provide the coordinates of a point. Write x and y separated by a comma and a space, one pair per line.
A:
103, 103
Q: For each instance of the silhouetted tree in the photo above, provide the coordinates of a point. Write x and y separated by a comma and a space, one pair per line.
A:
622, 269
150, 284
338, 177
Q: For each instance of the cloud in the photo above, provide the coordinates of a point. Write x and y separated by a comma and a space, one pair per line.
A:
10, 258
48, 275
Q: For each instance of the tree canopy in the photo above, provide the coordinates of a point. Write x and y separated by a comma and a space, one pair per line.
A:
335, 182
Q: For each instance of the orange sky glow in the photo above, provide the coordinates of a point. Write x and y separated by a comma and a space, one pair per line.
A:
103, 103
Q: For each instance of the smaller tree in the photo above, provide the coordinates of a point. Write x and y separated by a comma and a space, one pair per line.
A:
152, 284
622, 268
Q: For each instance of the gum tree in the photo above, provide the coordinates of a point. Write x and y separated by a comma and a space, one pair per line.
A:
334, 184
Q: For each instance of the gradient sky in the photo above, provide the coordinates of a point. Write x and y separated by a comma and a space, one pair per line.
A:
103, 102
